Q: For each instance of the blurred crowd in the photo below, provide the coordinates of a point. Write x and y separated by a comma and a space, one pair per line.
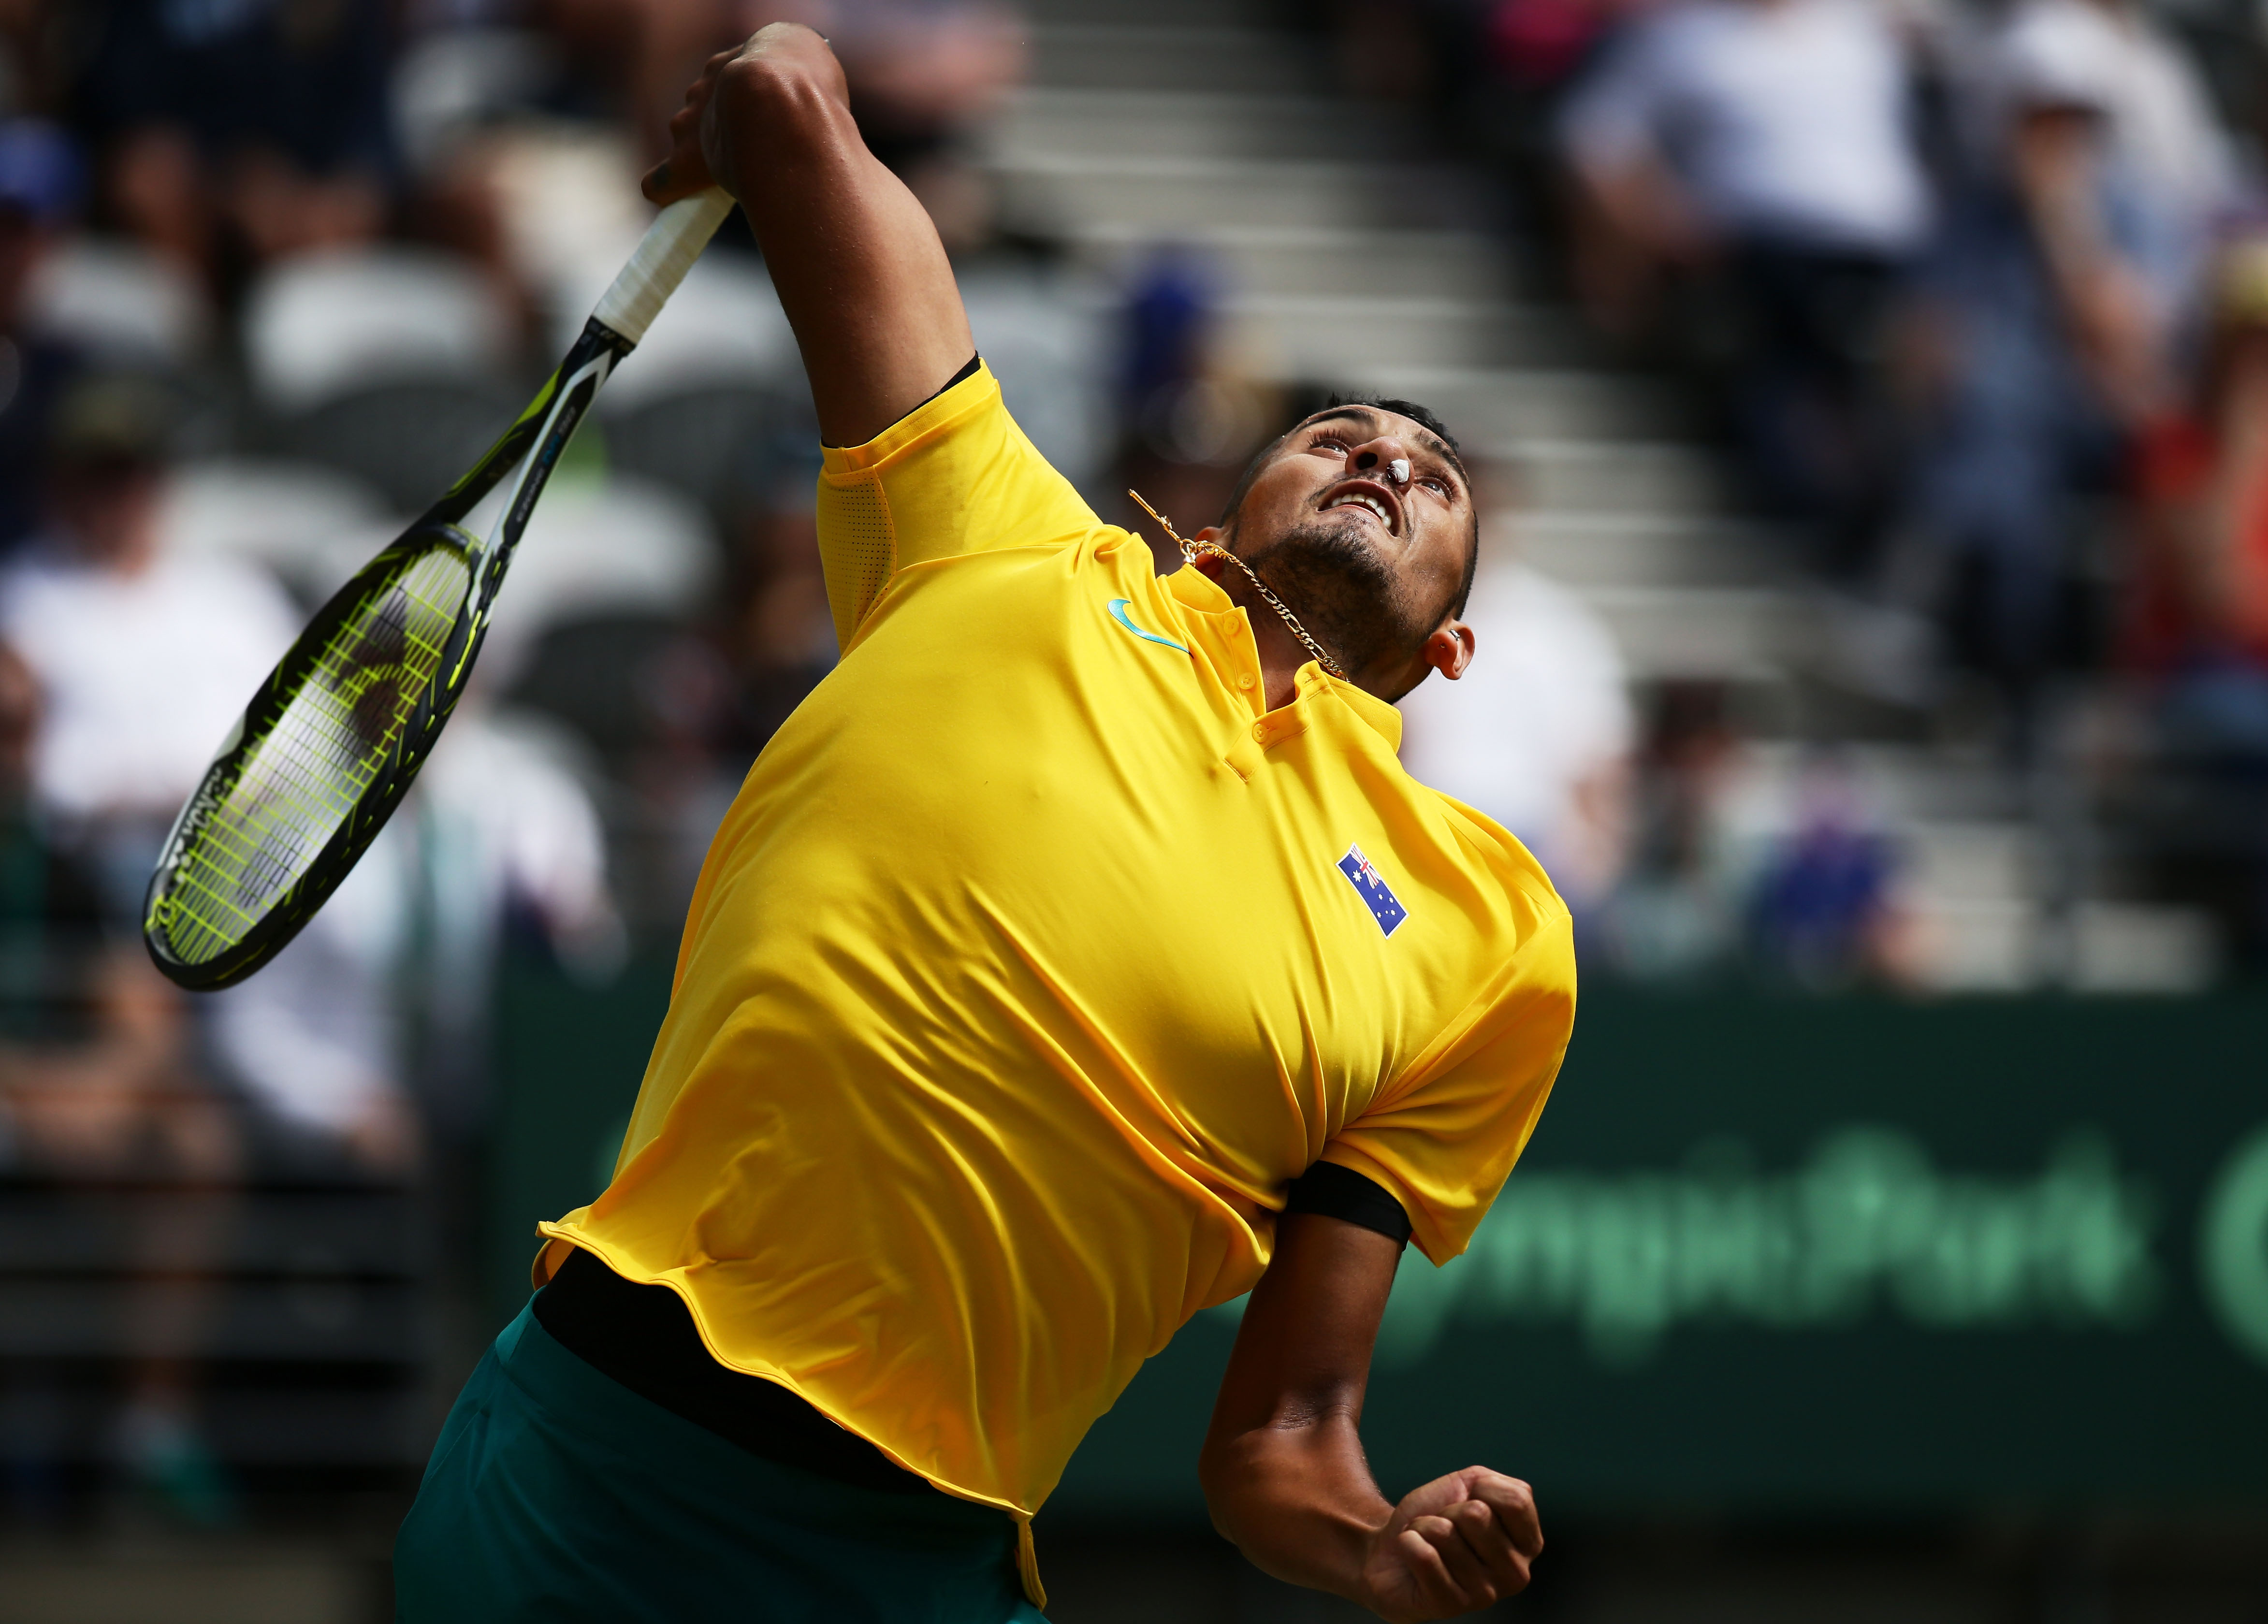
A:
1978, 295
1971, 291
272, 273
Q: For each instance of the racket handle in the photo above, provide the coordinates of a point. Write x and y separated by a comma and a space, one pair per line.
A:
671, 244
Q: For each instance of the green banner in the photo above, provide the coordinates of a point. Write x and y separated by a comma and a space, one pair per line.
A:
1762, 1254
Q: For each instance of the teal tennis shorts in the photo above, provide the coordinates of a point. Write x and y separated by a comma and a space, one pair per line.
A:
556, 1494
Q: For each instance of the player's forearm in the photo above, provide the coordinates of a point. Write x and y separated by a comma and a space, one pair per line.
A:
856, 263
1297, 1500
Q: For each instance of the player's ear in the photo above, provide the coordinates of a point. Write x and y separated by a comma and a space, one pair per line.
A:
1450, 649
1211, 533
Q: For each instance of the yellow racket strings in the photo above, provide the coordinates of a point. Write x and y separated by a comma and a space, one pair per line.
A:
299, 782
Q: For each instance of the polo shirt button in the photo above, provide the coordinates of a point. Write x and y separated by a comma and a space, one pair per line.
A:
1245, 683
1260, 732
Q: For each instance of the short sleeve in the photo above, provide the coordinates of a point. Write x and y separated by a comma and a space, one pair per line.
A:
1443, 1143
953, 476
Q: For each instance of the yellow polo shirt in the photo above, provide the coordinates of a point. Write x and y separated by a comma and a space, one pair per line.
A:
1035, 959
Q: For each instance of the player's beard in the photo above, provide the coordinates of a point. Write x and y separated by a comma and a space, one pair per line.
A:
1343, 593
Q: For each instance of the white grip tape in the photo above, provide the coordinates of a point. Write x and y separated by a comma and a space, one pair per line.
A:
671, 244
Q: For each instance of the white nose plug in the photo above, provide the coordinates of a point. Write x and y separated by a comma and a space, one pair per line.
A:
1400, 470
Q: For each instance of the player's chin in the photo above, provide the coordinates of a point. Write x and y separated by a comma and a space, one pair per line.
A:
1355, 524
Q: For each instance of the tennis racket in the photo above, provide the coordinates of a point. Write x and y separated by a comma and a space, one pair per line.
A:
333, 740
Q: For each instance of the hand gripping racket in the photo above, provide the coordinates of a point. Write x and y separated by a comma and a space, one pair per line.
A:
333, 738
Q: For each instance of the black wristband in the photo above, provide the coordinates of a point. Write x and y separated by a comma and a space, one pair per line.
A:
1337, 1191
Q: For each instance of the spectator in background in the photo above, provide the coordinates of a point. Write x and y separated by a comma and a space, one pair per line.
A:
627, 58
2043, 330
1187, 420
1676, 916
314, 1042
147, 659
251, 126
1764, 145
2195, 628
1538, 733
96, 1089
1822, 916
2160, 144
921, 72
2199, 616
39, 189
1508, 67
497, 843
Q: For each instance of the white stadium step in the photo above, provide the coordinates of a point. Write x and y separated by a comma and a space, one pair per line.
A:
1740, 635
1323, 261
1605, 549
1307, 335
1194, 125
1170, 195
1148, 56
1621, 477
1534, 403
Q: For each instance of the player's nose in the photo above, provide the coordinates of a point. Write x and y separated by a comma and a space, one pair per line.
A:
1386, 459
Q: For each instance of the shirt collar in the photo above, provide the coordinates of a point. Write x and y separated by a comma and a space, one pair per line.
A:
1196, 590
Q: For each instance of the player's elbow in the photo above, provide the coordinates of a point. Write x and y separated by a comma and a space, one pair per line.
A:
1233, 1469
1221, 1485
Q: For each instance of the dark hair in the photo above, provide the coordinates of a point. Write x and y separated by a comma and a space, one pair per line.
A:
1424, 417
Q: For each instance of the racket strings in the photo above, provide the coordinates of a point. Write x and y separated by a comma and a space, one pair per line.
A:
298, 783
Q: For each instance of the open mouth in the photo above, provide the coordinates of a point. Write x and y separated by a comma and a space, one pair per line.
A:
1373, 498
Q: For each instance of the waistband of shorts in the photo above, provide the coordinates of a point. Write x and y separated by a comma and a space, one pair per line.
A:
603, 1414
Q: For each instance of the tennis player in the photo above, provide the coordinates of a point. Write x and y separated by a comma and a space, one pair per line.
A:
1078, 955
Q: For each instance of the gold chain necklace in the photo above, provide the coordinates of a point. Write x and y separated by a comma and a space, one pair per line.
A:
1189, 551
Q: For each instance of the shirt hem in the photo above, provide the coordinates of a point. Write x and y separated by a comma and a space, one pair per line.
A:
1027, 1566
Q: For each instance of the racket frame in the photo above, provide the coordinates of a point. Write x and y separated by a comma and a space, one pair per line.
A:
529, 448
531, 445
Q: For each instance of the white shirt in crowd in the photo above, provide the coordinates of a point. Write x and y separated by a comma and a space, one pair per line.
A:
143, 674
1783, 118
500, 815
1541, 718
2165, 141
316, 1035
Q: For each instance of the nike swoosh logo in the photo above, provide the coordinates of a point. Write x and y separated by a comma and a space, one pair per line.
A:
1118, 613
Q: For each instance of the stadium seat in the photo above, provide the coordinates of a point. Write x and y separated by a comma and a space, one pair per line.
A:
295, 518
409, 441
121, 303
325, 325
726, 445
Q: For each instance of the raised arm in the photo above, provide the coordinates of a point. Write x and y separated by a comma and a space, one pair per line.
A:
1283, 1467
856, 263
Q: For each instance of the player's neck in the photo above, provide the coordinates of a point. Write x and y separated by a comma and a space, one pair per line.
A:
1280, 653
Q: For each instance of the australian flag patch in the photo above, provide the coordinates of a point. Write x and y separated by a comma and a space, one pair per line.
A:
1370, 887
